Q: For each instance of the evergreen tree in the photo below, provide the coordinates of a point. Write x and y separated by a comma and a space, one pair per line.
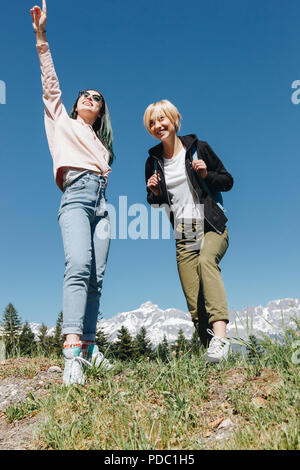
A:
124, 347
181, 344
27, 344
102, 340
45, 343
143, 346
58, 339
43, 330
195, 343
163, 350
11, 325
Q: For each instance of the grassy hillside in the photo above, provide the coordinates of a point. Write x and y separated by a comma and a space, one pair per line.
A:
248, 402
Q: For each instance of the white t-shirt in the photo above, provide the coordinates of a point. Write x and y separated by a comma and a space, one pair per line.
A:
184, 201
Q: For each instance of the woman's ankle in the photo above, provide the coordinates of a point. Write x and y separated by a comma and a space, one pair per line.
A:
219, 328
72, 339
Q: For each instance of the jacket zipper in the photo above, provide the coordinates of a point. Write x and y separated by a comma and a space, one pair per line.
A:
158, 161
164, 180
197, 196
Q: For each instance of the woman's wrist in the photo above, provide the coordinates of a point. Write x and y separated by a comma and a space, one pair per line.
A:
40, 36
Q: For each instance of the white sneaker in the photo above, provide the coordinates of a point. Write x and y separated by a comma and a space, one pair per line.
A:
96, 358
73, 372
219, 348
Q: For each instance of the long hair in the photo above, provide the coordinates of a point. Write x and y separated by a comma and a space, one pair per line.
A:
102, 126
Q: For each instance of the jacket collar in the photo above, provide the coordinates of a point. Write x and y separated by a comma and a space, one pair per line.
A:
187, 140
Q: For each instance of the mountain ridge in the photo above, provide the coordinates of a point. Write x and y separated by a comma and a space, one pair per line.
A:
260, 320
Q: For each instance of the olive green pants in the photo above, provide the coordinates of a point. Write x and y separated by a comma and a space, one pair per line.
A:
201, 280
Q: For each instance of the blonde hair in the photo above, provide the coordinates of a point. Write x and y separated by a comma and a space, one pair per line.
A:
155, 109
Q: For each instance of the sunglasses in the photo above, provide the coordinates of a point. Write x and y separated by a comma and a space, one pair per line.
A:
86, 94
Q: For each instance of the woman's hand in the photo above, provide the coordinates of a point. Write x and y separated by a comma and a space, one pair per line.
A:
200, 167
153, 182
39, 17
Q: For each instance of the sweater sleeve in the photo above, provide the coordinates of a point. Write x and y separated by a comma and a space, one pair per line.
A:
50, 83
51, 93
218, 178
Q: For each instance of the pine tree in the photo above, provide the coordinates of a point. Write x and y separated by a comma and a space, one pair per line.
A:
163, 350
124, 347
181, 344
45, 343
195, 343
102, 340
27, 344
11, 325
58, 339
143, 346
43, 330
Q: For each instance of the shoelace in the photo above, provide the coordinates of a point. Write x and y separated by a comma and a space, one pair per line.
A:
216, 344
89, 364
82, 360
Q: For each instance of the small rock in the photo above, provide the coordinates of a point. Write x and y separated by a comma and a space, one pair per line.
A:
225, 424
222, 435
54, 370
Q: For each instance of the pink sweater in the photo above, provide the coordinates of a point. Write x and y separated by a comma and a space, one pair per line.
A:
72, 142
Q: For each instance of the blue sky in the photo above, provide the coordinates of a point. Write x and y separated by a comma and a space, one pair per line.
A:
228, 67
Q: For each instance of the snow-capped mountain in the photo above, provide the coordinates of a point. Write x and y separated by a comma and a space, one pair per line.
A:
35, 328
157, 322
271, 320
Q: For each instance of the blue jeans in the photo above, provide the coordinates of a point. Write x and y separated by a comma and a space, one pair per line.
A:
85, 229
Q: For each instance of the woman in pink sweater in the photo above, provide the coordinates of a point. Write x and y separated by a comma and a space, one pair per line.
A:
81, 148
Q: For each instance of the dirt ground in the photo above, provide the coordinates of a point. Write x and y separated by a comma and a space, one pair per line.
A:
20, 434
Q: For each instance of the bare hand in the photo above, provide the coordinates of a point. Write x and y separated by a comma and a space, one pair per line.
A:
153, 183
39, 17
200, 167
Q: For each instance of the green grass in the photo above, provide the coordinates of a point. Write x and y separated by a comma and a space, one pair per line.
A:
157, 405
20, 410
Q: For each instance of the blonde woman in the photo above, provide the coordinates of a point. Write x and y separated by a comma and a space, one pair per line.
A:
81, 147
184, 174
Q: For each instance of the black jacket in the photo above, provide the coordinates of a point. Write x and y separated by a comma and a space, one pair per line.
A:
218, 179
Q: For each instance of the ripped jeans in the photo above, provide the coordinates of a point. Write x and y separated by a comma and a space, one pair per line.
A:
85, 229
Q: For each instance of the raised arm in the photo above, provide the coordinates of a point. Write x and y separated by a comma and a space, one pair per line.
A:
51, 88
39, 20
